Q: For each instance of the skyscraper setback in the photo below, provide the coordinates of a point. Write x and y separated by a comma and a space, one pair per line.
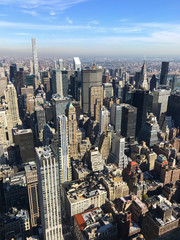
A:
35, 58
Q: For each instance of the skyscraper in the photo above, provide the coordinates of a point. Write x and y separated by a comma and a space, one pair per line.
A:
77, 64
56, 78
72, 124
92, 77
143, 77
35, 58
104, 119
13, 110
128, 126
64, 150
116, 115
164, 73
96, 93
49, 192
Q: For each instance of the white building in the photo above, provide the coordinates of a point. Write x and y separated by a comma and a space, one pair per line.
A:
77, 64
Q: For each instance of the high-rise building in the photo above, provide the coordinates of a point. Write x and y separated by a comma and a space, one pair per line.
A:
24, 139
143, 78
115, 117
174, 108
96, 93
153, 83
142, 100
64, 156
35, 58
72, 125
49, 192
15, 67
65, 83
91, 77
59, 106
164, 73
160, 101
107, 90
32, 185
12, 103
104, 119
77, 64
128, 125
61, 64
117, 152
56, 78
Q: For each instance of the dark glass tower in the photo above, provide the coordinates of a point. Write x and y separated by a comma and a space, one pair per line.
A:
164, 73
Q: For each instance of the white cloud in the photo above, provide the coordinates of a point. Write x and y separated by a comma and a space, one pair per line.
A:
45, 5
94, 22
31, 12
69, 20
22, 34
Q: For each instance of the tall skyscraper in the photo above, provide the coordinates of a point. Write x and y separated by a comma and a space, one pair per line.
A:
174, 108
32, 185
64, 150
12, 103
104, 119
49, 192
142, 100
35, 58
164, 73
92, 77
96, 93
143, 77
61, 64
56, 78
77, 64
160, 101
72, 124
128, 126
116, 115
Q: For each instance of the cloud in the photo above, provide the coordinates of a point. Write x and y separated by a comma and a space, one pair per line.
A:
69, 20
33, 13
45, 5
94, 22
22, 34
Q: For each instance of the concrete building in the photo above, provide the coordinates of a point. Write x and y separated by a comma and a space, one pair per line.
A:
64, 156
56, 82
164, 73
49, 192
72, 126
95, 161
32, 185
76, 64
91, 77
117, 154
104, 119
115, 117
107, 90
24, 139
160, 101
80, 196
35, 58
96, 96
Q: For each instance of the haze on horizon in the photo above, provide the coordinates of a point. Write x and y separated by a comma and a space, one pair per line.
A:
90, 27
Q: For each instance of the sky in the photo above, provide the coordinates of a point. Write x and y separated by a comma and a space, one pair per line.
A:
90, 27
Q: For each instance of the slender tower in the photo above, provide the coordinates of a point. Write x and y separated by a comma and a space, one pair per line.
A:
49, 193
35, 58
64, 150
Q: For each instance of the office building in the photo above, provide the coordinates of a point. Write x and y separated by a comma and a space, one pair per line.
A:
149, 131
117, 155
35, 58
76, 64
164, 73
128, 125
116, 116
12, 104
3, 84
49, 192
92, 77
143, 78
104, 119
24, 139
32, 185
14, 68
72, 125
59, 106
160, 101
142, 100
174, 108
94, 160
40, 122
65, 83
96, 95
107, 90
56, 82
61, 64
153, 83
64, 156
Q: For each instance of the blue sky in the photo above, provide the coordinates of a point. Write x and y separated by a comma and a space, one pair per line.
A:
90, 27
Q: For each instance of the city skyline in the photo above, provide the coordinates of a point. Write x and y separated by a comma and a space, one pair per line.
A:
90, 27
